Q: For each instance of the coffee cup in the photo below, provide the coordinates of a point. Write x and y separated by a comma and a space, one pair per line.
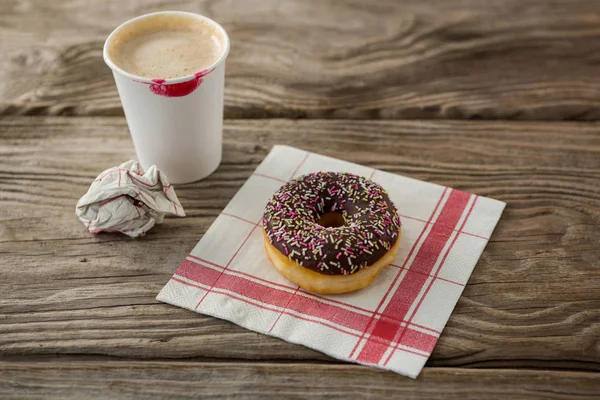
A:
169, 68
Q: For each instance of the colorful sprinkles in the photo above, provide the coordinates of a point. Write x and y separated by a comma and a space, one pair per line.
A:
371, 220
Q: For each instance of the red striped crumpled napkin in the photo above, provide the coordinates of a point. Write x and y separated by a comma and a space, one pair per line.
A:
127, 200
394, 323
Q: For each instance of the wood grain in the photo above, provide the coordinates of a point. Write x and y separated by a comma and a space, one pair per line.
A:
451, 59
108, 379
532, 301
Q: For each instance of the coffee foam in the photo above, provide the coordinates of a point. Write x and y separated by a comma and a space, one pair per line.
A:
166, 46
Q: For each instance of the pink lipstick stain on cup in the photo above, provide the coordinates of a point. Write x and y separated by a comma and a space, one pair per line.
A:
159, 87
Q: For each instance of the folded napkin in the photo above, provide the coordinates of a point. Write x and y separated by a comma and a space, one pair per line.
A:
394, 323
125, 199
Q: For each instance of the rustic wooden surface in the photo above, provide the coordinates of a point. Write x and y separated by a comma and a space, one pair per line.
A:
388, 84
532, 302
183, 379
457, 59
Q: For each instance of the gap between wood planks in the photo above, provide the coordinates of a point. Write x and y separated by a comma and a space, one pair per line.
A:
487, 365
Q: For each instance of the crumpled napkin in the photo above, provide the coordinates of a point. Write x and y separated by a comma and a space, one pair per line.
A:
125, 199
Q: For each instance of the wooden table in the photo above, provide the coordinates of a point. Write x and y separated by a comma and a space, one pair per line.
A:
497, 98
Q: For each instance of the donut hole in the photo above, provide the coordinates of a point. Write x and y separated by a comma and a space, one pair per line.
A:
332, 219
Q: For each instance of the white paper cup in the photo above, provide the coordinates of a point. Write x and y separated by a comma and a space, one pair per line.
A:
176, 124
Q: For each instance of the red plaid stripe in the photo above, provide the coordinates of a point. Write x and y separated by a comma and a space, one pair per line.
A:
270, 177
226, 266
233, 284
439, 267
428, 222
325, 301
404, 266
407, 292
240, 218
284, 308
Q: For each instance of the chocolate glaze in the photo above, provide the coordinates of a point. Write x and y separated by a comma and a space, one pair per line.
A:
372, 223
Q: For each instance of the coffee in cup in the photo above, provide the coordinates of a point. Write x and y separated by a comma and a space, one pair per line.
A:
166, 46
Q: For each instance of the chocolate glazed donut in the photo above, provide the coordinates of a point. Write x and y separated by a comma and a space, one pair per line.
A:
331, 232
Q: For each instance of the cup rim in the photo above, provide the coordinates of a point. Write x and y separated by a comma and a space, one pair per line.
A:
167, 81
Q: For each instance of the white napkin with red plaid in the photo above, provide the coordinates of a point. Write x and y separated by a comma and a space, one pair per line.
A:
394, 323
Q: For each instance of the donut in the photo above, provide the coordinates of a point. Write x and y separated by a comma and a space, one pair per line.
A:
331, 232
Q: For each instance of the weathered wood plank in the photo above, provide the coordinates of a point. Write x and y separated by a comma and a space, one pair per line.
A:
510, 59
107, 379
532, 301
